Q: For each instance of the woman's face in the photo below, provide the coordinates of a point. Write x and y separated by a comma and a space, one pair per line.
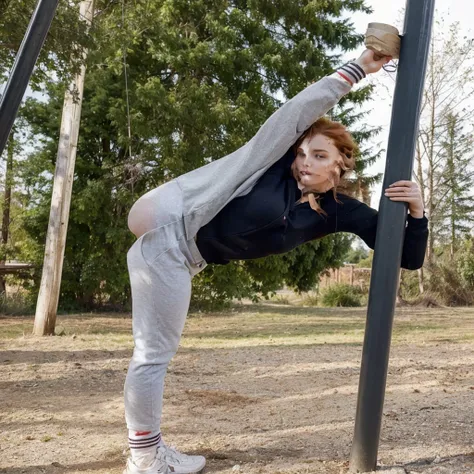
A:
317, 159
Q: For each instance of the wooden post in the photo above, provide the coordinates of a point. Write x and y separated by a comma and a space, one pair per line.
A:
352, 275
48, 298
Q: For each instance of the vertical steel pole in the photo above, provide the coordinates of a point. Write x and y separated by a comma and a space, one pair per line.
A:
23, 67
390, 234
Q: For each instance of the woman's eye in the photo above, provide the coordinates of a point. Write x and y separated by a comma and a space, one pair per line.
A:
319, 156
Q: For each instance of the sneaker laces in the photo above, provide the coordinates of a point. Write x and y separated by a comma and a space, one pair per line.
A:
162, 464
162, 457
172, 454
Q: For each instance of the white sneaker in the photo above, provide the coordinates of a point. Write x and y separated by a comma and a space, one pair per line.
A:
159, 466
180, 463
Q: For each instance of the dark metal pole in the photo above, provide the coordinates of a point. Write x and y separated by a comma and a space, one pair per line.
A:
390, 234
23, 67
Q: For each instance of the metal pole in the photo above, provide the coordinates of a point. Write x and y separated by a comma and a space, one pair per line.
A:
390, 234
23, 67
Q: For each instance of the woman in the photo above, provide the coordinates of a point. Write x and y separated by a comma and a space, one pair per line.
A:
274, 193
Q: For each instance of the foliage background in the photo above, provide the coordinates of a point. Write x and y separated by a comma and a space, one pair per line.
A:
202, 76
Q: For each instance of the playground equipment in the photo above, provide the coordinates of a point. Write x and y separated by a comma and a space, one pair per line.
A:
392, 215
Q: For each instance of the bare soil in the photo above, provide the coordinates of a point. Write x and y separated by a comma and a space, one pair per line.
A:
259, 389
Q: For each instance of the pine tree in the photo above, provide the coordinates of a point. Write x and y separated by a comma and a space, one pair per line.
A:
456, 183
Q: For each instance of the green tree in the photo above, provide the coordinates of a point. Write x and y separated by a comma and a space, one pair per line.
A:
203, 76
356, 254
61, 54
456, 183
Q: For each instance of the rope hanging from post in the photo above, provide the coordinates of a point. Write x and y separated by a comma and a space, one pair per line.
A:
129, 128
132, 164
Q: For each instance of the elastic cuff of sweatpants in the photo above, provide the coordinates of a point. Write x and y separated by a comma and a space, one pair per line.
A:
351, 72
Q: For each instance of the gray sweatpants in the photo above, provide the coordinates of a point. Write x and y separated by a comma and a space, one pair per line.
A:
161, 264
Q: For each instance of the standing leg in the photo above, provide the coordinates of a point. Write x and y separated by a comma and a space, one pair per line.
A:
161, 265
160, 302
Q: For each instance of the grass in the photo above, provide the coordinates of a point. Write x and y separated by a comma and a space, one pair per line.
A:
265, 324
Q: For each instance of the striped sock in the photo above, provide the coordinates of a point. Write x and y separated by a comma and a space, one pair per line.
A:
143, 446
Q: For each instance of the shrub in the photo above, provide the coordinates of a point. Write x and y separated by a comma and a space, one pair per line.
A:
18, 302
465, 260
366, 262
409, 285
280, 299
451, 277
310, 299
428, 299
447, 282
341, 294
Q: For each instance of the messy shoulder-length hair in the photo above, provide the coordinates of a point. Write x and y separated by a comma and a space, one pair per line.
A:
347, 147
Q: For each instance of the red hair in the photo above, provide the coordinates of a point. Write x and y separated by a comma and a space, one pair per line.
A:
342, 140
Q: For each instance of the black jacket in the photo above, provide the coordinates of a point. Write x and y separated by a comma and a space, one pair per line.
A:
268, 221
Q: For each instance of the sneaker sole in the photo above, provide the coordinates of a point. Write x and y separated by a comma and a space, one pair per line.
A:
201, 471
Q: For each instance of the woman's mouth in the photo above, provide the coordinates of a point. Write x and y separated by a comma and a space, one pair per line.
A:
305, 173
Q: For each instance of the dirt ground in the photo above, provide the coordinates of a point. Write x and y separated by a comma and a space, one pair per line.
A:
260, 389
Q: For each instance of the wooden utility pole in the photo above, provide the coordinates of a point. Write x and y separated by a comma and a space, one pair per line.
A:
48, 298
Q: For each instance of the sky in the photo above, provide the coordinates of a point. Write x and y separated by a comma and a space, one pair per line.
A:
391, 12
